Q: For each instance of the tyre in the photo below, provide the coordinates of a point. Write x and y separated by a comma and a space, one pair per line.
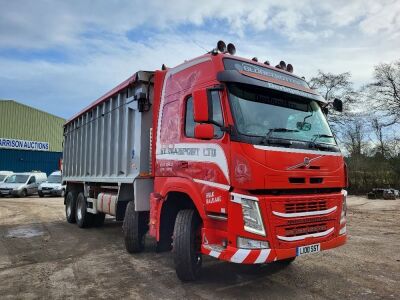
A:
186, 245
83, 218
70, 207
62, 195
23, 194
40, 195
98, 219
135, 227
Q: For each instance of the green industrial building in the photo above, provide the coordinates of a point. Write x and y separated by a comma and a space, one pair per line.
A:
30, 139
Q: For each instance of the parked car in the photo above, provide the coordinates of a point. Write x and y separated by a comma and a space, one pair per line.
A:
22, 184
53, 186
4, 175
381, 193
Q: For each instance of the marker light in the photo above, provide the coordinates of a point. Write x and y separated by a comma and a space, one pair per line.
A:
266, 62
289, 68
221, 46
282, 64
254, 59
231, 49
163, 67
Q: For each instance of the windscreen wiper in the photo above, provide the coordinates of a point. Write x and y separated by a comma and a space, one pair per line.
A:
280, 141
322, 146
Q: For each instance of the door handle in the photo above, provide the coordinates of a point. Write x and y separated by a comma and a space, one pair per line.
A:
184, 164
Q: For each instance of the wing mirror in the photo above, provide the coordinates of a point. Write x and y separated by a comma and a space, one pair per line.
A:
204, 131
200, 106
337, 105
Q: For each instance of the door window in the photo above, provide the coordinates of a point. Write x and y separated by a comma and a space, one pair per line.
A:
216, 115
32, 180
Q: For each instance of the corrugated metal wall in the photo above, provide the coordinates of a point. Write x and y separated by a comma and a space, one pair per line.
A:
18, 121
26, 161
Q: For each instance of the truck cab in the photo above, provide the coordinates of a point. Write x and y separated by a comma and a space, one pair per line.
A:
247, 147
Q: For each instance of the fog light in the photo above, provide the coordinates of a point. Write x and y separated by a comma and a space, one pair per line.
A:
245, 243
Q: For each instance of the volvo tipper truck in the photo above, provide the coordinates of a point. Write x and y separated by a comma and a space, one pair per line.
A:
220, 156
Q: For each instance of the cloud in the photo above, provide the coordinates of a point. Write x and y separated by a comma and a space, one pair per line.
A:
99, 44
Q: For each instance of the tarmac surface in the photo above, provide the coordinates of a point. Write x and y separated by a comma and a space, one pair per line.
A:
42, 256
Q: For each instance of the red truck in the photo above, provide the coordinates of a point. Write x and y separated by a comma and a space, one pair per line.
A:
220, 156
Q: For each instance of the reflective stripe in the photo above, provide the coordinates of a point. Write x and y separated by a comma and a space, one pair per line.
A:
304, 214
302, 237
214, 253
240, 255
213, 184
343, 230
262, 258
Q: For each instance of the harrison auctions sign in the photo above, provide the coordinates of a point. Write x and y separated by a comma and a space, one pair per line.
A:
23, 144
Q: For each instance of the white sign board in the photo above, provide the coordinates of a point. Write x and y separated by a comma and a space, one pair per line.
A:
23, 144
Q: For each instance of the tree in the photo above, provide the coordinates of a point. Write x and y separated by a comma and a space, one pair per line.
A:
332, 86
384, 92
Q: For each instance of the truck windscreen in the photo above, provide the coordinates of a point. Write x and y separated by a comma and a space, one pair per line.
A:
260, 113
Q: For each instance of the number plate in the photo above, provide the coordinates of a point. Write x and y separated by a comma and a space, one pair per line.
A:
308, 249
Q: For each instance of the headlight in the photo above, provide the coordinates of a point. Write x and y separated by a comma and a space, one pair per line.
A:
251, 213
40, 188
245, 243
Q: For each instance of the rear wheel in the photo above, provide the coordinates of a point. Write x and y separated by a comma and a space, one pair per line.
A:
40, 195
83, 218
135, 227
186, 245
70, 207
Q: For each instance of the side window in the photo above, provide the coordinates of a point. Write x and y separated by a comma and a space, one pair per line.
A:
189, 120
32, 180
216, 116
217, 113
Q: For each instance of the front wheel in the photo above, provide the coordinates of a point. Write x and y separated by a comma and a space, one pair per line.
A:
135, 227
186, 245
23, 194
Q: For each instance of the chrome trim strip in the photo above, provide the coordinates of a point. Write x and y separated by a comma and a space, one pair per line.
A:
217, 217
292, 150
302, 237
305, 214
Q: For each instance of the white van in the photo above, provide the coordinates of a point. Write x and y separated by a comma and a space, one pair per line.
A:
22, 184
4, 175
53, 186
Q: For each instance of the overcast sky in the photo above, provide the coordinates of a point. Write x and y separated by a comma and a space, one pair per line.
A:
59, 56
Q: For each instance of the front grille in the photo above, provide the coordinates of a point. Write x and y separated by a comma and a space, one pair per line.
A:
305, 229
305, 206
47, 189
3, 189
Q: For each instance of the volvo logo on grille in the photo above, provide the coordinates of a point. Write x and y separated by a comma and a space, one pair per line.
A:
305, 164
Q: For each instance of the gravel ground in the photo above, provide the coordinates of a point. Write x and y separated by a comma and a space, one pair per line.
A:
42, 256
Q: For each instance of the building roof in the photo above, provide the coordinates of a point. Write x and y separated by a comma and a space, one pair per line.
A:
20, 121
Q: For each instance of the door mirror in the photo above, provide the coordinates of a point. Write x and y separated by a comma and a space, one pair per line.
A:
337, 105
204, 131
200, 106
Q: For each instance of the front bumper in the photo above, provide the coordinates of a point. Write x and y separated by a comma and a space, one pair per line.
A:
51, 192
261, 256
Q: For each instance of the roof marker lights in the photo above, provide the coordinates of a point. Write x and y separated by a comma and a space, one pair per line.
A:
254, 59
282, 64
289, 68
266, 62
